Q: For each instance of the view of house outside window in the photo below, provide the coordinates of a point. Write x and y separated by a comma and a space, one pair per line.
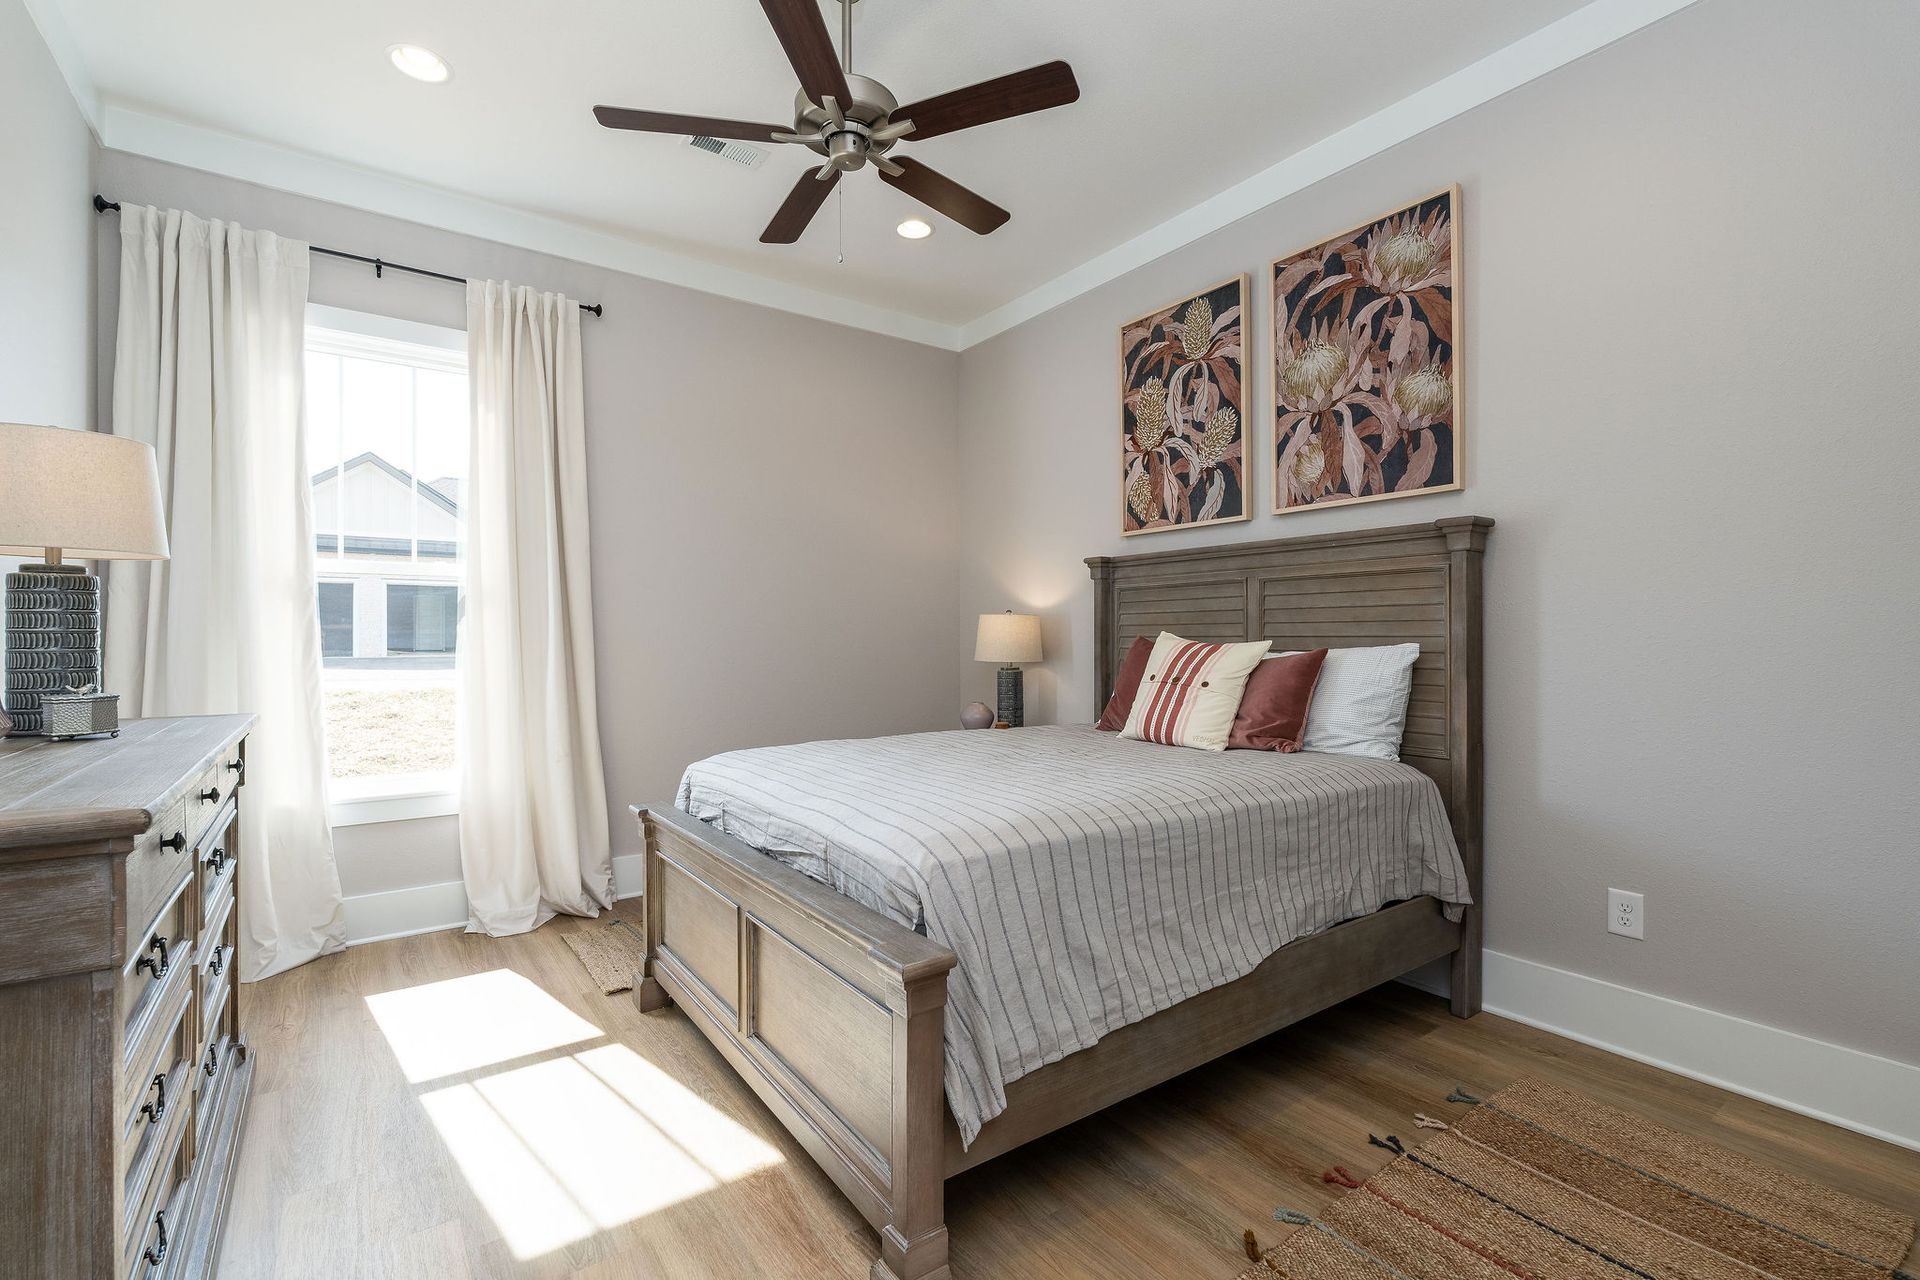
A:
387, 456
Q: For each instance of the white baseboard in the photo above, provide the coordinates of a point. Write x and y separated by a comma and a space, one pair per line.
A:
429, 908
1860, 1091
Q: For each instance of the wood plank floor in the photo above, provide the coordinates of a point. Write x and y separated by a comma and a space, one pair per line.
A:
488, 1113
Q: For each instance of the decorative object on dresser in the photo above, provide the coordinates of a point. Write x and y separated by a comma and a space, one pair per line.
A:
1366, 361
123, 1073
68, 493
1009, 639
976, 715
1183, 413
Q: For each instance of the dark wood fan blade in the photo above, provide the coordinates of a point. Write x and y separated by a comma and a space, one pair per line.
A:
665, 122
802, 32
937, 191
1022, 93
802, 203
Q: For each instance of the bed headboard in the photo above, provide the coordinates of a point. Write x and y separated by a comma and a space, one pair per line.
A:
1417, 582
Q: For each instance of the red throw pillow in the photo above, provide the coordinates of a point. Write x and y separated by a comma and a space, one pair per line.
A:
1273, 710
1132, 668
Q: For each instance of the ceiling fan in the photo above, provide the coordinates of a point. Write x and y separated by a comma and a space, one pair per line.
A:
853, 121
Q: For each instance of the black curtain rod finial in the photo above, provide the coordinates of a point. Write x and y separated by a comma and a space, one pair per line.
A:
380, 265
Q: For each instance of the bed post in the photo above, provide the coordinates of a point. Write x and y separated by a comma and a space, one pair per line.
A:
648, 994
913, 1244
1466, 545
1105, 641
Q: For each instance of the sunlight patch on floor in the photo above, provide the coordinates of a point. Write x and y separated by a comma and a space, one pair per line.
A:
559, 1149
443, 1028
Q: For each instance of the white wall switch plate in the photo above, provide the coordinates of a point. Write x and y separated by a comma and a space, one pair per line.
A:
1626, 913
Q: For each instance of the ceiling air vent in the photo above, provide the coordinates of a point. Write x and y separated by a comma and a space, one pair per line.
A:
741, 153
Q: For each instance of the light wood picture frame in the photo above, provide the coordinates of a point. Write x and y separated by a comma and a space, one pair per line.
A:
1365, 380
1183, 413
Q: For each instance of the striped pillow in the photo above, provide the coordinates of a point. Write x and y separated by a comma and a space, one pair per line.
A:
1191, 691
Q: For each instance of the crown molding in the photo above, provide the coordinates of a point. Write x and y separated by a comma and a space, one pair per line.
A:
65, 51
127, 129
123, 128
1553, 46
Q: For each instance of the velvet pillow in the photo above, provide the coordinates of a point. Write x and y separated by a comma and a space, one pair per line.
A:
1273, 710
1126, 686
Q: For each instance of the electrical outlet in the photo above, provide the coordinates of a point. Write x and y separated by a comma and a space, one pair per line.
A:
1626, 913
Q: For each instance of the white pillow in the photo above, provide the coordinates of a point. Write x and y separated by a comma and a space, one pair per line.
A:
1190, 692
1359, 708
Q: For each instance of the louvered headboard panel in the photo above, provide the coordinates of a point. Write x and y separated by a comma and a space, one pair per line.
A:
1416, 582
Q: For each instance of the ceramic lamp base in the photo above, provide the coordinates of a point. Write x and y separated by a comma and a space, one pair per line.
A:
53, 638
1012, 710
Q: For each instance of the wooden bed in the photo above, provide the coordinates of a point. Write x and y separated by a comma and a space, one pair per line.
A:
834, 1014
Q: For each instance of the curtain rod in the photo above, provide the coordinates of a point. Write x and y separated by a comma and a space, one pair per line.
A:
380, 265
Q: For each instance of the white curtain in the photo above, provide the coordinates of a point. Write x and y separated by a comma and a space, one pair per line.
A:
209, 370
533, 811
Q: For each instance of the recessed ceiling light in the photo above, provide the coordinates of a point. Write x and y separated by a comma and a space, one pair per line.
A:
421, 64
915, 229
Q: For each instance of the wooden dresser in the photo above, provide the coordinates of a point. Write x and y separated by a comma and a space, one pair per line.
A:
123, 1073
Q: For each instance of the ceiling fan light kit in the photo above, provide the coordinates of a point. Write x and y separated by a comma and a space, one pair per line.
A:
852, 121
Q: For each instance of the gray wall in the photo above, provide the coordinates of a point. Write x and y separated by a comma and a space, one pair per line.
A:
774, 552
46, 260
1690, 376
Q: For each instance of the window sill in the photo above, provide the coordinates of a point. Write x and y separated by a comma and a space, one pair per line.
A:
358, 801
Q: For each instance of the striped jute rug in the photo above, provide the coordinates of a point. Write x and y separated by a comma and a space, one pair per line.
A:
1539, 1182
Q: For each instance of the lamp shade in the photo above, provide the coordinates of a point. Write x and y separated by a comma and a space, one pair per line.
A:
1007, 638
86, 495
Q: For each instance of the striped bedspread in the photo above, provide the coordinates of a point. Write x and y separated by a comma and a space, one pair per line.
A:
1084, 882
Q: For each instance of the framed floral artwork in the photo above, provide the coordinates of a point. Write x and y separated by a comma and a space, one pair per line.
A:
1366, 361
1183, 413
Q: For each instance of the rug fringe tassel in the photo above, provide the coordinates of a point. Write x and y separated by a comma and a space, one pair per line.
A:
1294, 1216
1426, 1121
1392, 1144
1252, 1246
1461, 1095
1340, 1177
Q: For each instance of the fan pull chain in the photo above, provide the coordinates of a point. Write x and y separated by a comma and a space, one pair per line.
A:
843, 224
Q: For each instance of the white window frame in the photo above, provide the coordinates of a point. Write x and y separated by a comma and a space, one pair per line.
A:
336, 331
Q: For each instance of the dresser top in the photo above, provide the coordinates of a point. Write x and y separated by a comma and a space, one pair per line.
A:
52, 792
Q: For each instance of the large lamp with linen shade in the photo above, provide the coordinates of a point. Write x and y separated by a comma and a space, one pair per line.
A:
1009, 639
67, 495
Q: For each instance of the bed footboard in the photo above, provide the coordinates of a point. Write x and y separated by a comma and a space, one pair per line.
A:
832, 1013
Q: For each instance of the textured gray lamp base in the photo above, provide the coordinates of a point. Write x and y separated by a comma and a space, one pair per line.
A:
53, 637
1013, 707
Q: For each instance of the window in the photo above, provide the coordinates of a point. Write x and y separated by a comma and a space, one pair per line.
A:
387, 456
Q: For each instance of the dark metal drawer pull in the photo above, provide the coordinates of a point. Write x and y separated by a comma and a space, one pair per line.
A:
237, 765
212, 1064
215, 963
156, 1254
158, 968
210, 794
158, 1107
178, 840
218, 860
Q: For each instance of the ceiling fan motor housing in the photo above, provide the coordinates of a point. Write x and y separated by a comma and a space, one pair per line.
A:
848, 144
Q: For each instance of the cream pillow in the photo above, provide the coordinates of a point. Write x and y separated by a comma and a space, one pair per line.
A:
1191, 691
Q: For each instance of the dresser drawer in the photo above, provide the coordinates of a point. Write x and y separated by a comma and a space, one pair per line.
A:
156, 1090
160, 861
216, 858
218, 946
158, 972
153, 1236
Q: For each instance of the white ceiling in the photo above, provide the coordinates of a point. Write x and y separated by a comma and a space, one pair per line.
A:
1178, 103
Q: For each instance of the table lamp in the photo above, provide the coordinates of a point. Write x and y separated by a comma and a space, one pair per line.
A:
78, 494
1009, 639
